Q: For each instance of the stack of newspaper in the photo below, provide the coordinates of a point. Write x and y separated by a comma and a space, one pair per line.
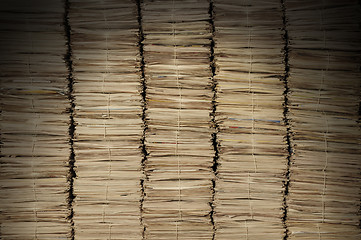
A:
107, 115
177, 51
34, 121
253, 155
325, 81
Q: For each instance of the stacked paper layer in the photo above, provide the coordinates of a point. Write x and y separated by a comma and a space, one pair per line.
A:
107, 114
177, 49
34, 122
249, 189
325, 83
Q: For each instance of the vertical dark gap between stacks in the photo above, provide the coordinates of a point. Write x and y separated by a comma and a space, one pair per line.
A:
143, 93
286, 182
359, 125
359, 116
214, 124
71, 163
